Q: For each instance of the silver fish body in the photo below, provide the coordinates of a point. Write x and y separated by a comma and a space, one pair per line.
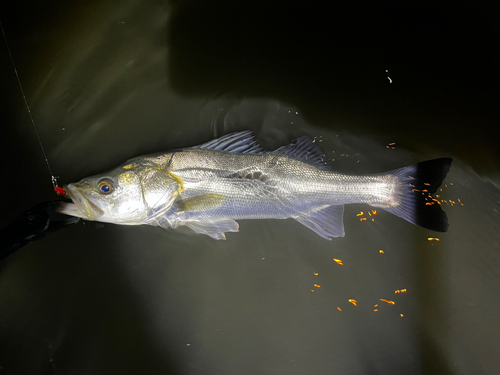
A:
208, 187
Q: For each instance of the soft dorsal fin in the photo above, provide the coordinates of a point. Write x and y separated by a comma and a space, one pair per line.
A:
242, 142
305, 149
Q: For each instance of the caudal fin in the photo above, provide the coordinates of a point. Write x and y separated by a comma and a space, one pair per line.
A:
417, 183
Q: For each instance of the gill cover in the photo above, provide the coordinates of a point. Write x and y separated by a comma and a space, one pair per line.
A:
160, 188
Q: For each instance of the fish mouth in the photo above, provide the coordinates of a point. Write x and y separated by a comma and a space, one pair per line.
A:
81, 206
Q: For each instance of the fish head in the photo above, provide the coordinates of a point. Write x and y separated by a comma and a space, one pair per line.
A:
129, 194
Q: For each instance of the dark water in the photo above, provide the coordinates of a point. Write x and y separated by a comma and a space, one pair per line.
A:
107, 82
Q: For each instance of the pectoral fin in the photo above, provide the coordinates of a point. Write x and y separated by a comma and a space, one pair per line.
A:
205, 201
327, 222
215, 228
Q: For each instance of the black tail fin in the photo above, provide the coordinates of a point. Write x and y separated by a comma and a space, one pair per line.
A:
416, 204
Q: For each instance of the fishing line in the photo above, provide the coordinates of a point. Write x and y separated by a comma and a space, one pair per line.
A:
59, 191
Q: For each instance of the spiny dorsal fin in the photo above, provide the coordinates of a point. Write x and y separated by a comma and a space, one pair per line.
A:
305, 149
242, 142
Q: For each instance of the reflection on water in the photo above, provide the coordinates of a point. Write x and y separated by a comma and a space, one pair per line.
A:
105, 86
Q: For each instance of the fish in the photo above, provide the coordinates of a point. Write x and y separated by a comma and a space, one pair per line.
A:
210, 186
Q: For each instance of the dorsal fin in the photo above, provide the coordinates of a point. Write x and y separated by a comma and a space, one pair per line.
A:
241, 142
305, 149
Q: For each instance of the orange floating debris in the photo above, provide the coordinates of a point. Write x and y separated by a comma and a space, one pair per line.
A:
401, 315
361, 213
400, 291
373, 220
433, 239
426, 184
317, 286
387, 301
381, 251
374, 212
375, 310
369, 213
316, 274
375, 306
392, 144
312, 290
403, 290
362, 219
338, 308
354, 302
339, 261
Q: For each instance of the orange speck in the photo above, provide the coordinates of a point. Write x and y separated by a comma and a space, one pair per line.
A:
392, 144
389, 302
411, 177
375, 310
375, 306
433, 239
429, 203
445, 185
338, 308
397, 291
316, 274
354, 302
369, 213
361, 213
426, 184
437, 196
403, 290
451, 183
373, 220
317, 286
362, 219
401, 315
312, 290
381, 251
339, 261
374, 212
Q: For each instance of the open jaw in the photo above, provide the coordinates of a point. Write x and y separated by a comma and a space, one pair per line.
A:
81, 206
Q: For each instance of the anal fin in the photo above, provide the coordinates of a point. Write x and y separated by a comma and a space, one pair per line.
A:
327, 222
214, 228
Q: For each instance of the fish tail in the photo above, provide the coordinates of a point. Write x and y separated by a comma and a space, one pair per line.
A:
417, 184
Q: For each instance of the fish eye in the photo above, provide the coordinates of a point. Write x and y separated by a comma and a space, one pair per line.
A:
105, 186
